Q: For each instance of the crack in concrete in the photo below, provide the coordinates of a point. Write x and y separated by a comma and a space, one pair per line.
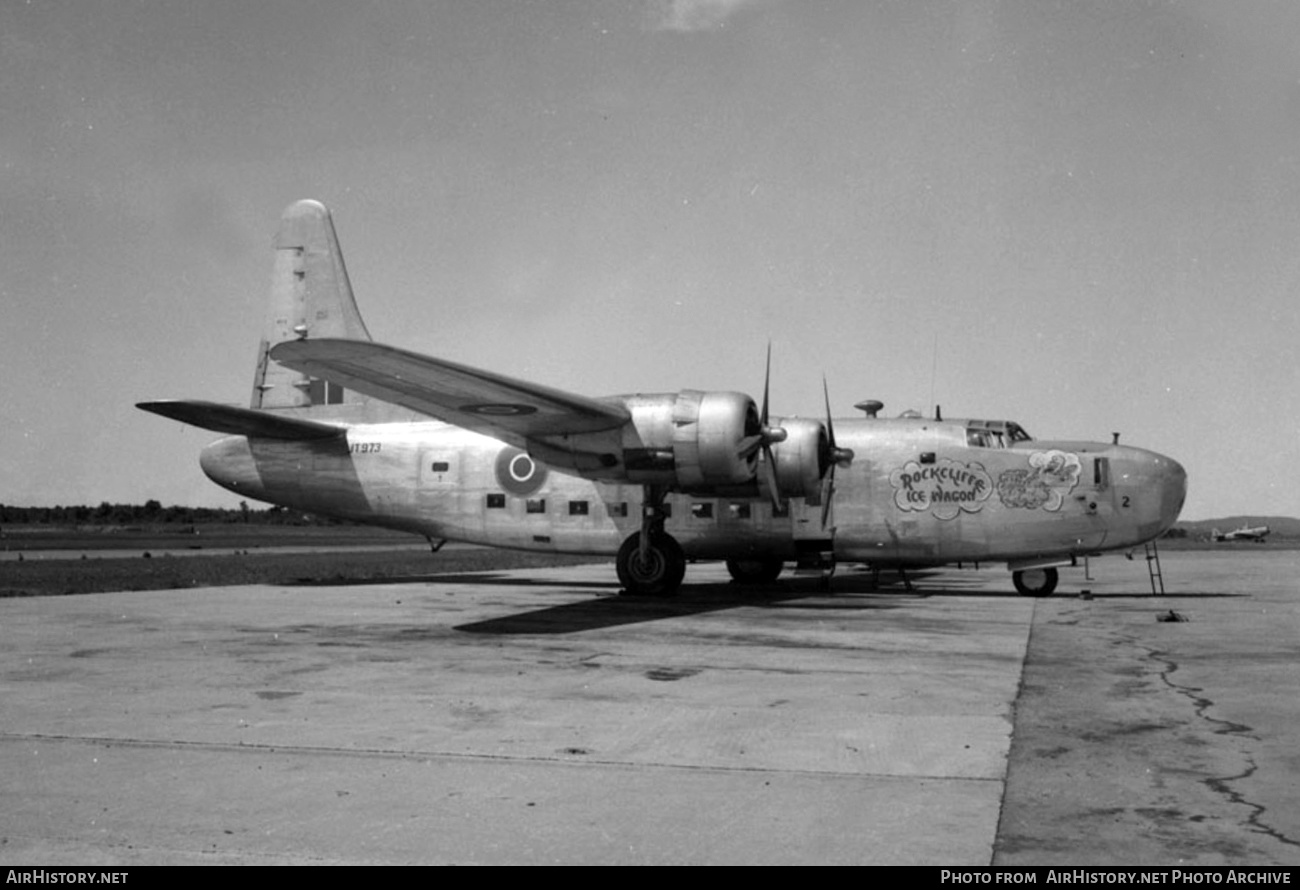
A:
1222, 785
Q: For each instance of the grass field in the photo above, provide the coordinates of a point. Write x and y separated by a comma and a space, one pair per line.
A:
138, 559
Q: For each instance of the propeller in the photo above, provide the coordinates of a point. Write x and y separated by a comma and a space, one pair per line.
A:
763, 437
760, 434
834, 456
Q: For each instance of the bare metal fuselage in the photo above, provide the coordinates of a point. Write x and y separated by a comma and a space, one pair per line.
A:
918, 493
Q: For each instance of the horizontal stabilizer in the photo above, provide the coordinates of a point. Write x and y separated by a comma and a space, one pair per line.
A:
467, 397
241, 421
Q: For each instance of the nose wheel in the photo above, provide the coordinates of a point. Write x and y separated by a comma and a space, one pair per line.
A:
1035, 582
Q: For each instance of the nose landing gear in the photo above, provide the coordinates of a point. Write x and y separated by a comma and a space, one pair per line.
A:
1035, 582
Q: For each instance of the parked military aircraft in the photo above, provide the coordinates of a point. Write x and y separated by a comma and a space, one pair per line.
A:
1246, 533
343, 426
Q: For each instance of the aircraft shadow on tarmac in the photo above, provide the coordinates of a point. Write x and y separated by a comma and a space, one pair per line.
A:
692, 599
852, 591
607, 612
849, 591
477, 579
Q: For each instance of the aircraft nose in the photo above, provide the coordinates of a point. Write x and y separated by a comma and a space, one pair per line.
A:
1173, 489
1157, 487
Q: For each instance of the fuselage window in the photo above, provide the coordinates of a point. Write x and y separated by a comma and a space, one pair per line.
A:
738, 511
496, 501
322, 392
702, 511
535, 505
618, 510
1101, 473
439, 466
577, 508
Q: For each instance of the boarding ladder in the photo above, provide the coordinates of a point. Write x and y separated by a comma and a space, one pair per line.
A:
1153, 569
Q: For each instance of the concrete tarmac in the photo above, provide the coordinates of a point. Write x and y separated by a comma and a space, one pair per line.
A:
537, 717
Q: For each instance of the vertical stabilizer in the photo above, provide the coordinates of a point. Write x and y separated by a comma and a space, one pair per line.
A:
310, 297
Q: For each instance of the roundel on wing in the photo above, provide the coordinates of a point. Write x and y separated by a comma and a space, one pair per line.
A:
518, 473
499, 409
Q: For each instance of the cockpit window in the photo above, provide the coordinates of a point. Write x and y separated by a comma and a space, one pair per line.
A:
977, 438
994, 433
1017, 432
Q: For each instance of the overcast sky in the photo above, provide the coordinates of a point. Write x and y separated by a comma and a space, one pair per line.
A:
1083, 216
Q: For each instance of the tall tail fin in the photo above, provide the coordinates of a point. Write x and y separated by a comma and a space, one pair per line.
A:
310, 297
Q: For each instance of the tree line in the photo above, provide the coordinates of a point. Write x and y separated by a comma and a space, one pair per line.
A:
154, 513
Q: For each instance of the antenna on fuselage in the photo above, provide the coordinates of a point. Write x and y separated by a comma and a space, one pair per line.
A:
934, 372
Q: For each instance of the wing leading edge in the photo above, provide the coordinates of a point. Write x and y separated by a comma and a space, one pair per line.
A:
493, 404
241, 421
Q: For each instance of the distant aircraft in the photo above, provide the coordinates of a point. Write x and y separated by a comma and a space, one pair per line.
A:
1246, 533
343, 426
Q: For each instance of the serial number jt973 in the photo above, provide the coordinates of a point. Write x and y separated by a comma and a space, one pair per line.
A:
365, 447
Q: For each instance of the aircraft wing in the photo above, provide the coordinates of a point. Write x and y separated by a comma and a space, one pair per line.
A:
467, 397
241, 421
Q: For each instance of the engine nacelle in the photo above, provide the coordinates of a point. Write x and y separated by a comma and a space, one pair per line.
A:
691, 440
801, 460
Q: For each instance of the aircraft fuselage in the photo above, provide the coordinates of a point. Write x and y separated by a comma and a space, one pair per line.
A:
918, 493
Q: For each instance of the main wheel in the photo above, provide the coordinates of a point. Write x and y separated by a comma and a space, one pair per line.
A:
1035, 582
760, 570
659, 574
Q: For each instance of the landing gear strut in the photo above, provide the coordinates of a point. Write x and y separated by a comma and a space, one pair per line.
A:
651, 562
1035, 582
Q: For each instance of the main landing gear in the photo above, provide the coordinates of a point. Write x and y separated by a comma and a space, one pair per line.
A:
1035, 582
656, 572
651, 562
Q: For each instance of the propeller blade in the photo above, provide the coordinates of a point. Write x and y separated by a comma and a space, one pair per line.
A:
771, 434
768, 479
749, 446
767, 379
767, 435
830, 421
826, 499
835, 457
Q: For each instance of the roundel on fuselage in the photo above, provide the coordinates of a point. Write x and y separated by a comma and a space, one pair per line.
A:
518, 473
